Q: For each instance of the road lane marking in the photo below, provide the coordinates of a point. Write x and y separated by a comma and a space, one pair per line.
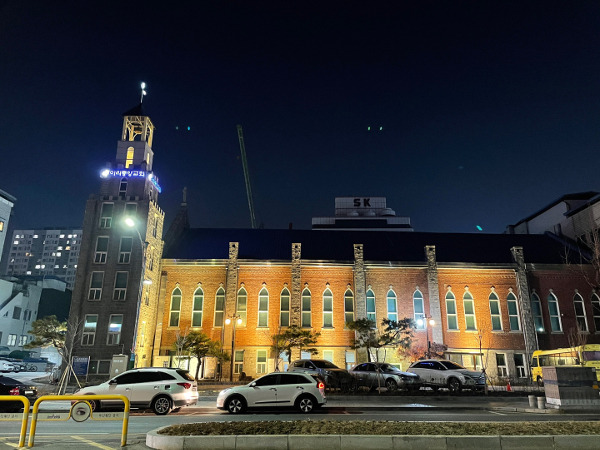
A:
494, 412
10, 444
95, 444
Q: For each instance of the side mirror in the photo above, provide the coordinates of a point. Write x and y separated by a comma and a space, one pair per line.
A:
253, 384
113, 381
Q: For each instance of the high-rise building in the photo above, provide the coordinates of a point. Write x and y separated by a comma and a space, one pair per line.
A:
7, 202
45, 252
114, 299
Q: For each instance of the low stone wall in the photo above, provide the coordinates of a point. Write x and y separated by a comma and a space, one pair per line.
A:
361, 442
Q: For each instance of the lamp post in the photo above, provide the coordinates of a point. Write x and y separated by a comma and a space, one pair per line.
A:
429, 323
236, 320
129, 222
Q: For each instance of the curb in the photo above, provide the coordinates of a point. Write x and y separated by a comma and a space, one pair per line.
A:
349, 442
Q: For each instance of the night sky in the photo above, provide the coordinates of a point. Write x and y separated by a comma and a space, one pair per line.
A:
489, 110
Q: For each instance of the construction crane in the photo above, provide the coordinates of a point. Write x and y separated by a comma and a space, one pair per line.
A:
246, 176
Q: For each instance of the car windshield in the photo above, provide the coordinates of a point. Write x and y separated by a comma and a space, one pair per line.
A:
451, 365
324, 365
388, 368
8, 380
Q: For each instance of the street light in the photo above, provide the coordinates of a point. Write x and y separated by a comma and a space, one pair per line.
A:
429, 323
132, 224
235, 319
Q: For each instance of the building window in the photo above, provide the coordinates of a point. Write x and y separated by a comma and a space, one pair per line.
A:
101, 249
175, 308
242, 305
12, 340
451, 316
261, 361
501, 364
306, 298
495, 312
125, 250
536, 309
327, 309
22, 340
513, 312
580, 312
147, 298
596, 311
555, 322
520, 365
120, 286
17, 313
348, 306
284, 301
114, 329
155, 226
129, 160
1, 225
89, 329
469, 306
419, 310
238, 362
123, 187
96, 281
328, 355
219, 307
263, 308
106, 215
371, 306
350, 359
392, 311
130, 209
197, 308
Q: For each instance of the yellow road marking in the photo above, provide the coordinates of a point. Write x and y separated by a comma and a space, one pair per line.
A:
95, 444
8, 443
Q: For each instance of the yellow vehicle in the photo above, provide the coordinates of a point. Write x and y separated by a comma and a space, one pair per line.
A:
582, 356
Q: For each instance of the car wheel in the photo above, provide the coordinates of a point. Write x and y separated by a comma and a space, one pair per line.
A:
540, 381
95, 405
454, 385
305, 404
236, 405
161, 405
391, 385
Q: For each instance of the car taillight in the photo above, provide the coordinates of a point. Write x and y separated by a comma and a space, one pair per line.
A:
185, 385
14, 391
321, 385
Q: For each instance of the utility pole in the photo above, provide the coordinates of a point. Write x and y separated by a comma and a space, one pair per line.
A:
246, 176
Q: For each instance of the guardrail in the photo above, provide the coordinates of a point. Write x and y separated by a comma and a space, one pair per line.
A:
24, 417
82, 410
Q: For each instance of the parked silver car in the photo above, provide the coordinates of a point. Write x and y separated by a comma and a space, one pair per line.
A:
441, 373
332, 375
376, 374
159, 388
7, 366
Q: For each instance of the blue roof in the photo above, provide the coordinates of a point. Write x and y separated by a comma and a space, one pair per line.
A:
209, 243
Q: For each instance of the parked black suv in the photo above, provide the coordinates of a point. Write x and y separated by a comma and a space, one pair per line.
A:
332, 375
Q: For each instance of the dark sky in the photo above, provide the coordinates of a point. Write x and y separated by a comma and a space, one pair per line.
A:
489, 110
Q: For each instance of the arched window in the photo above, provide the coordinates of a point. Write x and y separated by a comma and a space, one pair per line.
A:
197, 307
242, 305
284, 301
580, 312
536, 309
263, 308
348, 306
219, 307
596, 311
495, 312
175, 308
392, 308
419, 310
371, 306
123, 187
451, 316
469, 305
306, 315
513, 312
327, 308
129, 160
553, 309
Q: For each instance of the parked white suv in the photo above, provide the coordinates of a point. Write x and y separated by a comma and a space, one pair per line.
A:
447, 374
276, 389
159, 388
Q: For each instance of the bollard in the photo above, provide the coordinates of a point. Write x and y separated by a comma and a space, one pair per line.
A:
531, 401
541, 402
